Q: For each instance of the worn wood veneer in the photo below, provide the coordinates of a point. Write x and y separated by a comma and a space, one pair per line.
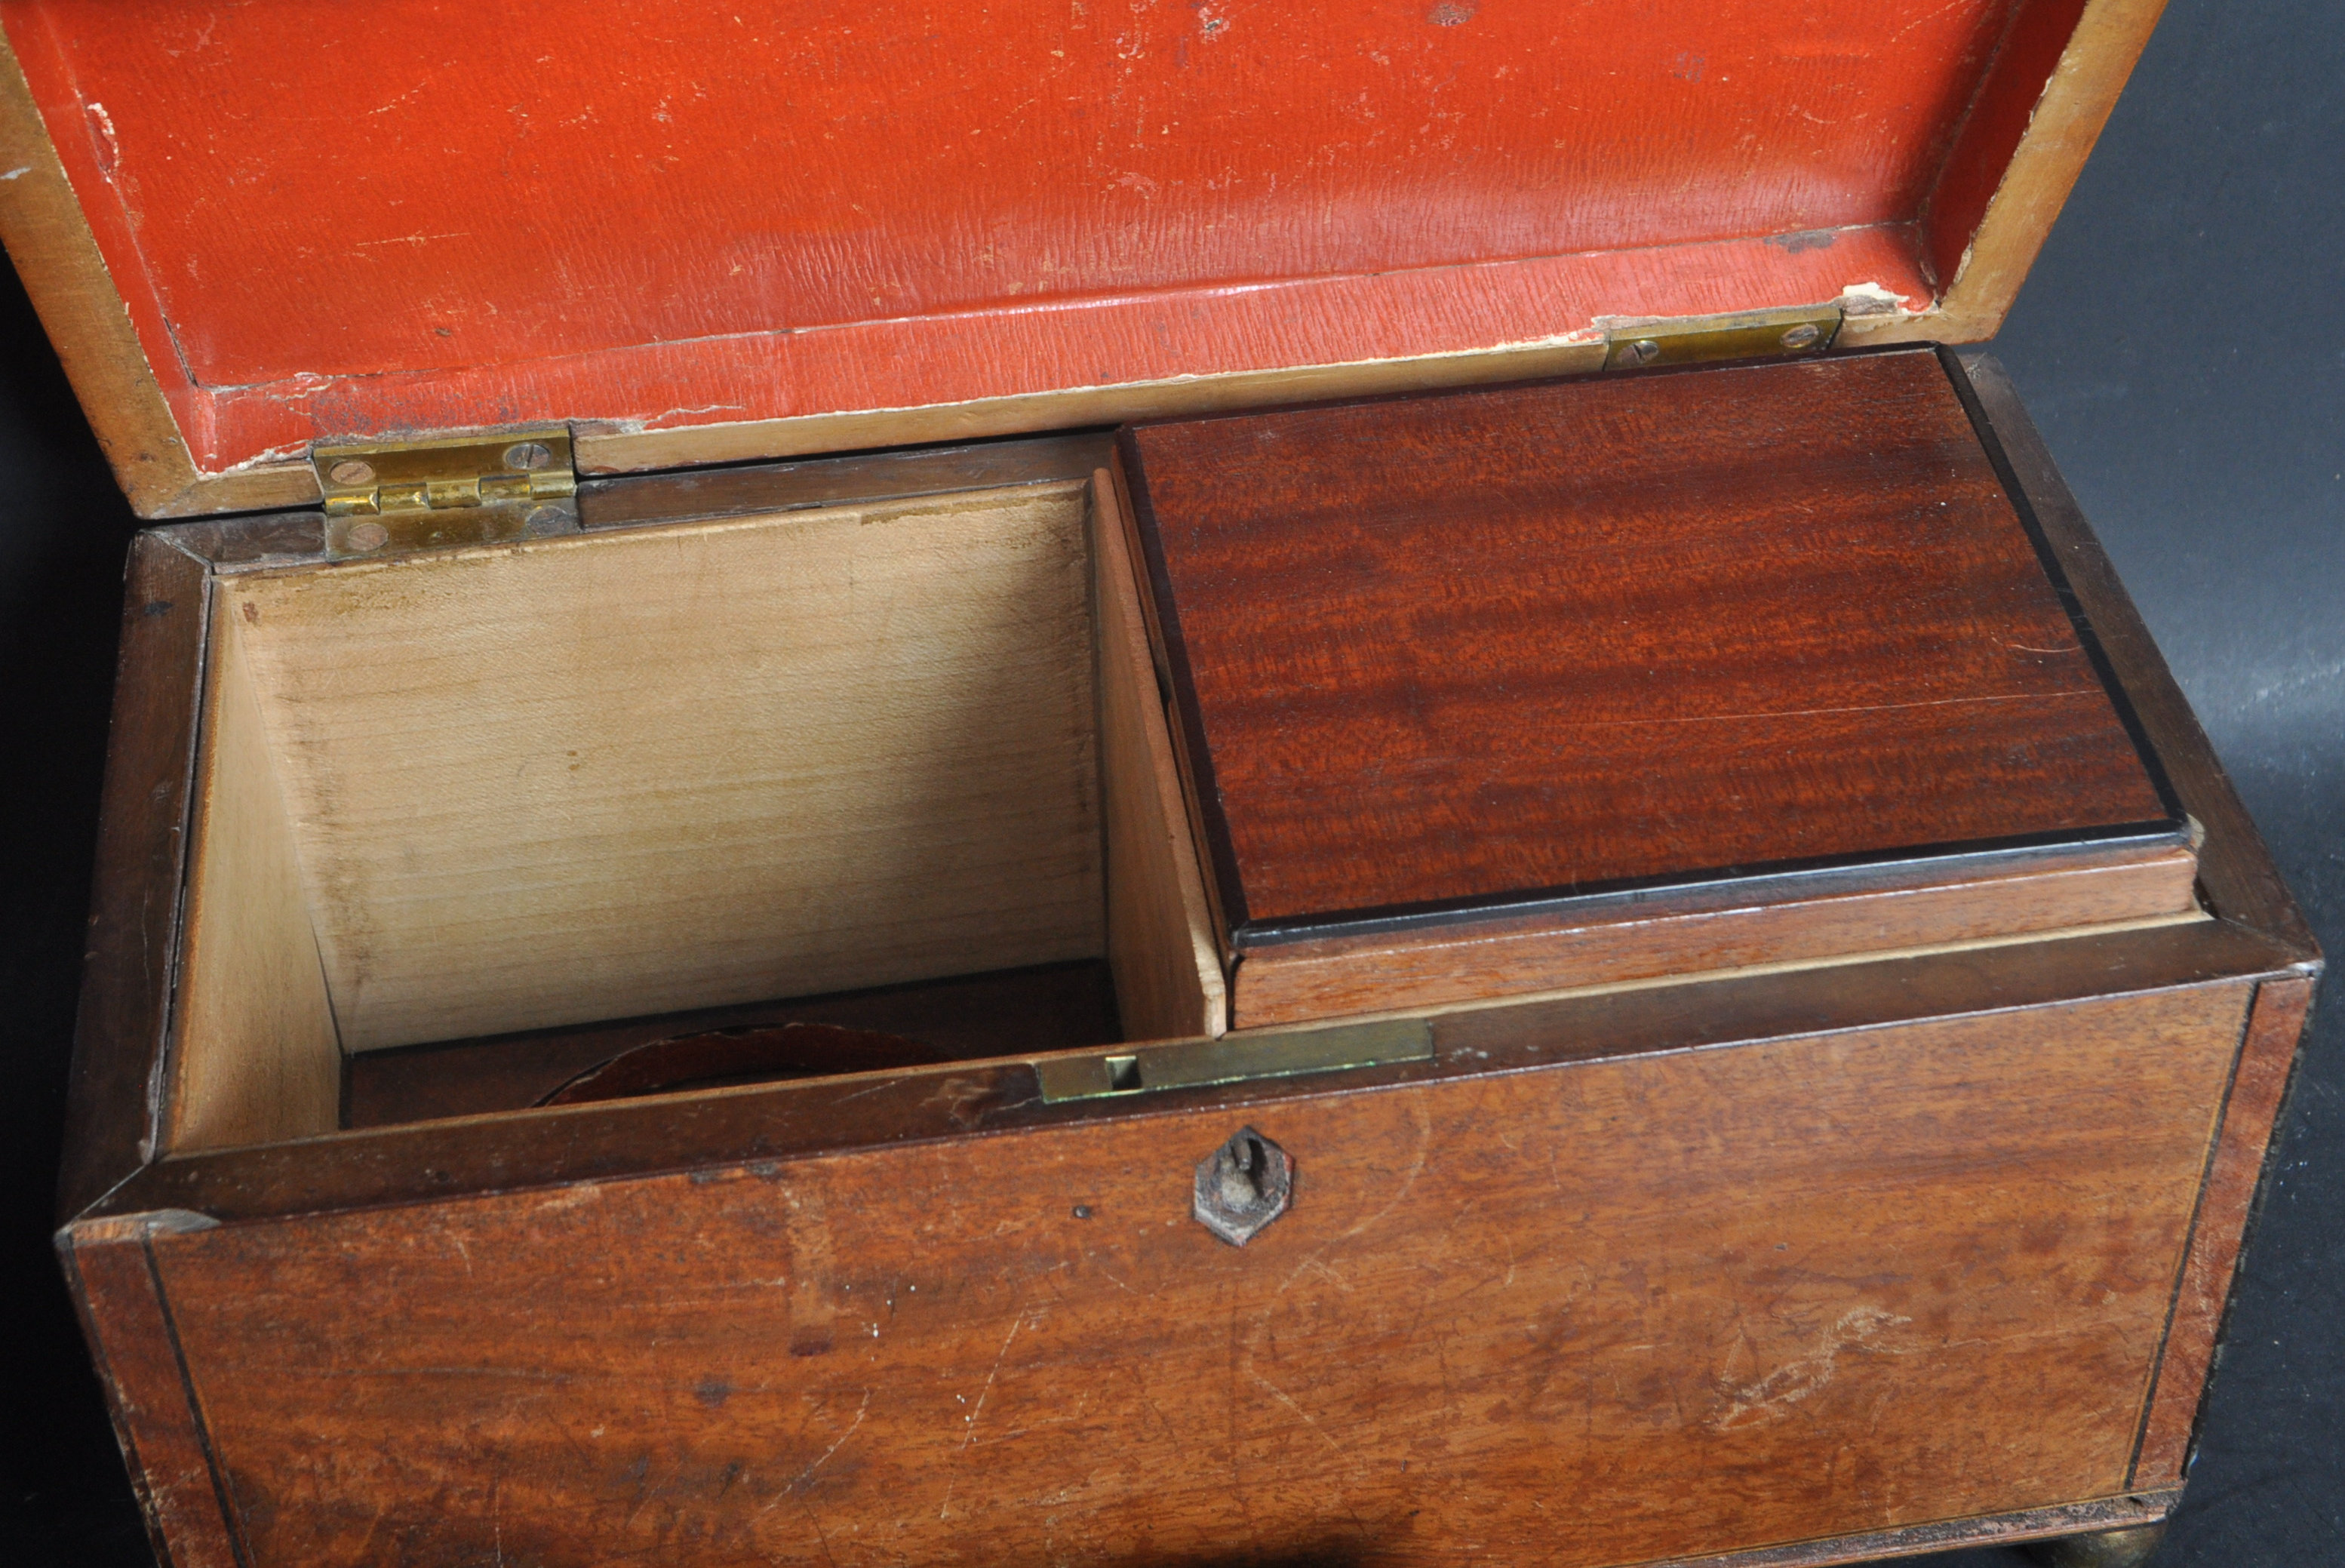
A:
424, 1161
1501, 1305
1745, 923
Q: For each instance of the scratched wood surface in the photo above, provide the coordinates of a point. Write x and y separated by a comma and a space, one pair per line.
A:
935, 207
1460, 650
127, 1325
414, 1170
433, 1161
1809, 1280
2234, 1176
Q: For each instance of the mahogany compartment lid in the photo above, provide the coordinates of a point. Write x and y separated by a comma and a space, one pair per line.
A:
705, 232
1478, 651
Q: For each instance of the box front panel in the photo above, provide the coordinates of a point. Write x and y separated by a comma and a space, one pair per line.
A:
1822, 1285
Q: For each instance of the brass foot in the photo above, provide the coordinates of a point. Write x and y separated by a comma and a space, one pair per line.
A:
2104, 1549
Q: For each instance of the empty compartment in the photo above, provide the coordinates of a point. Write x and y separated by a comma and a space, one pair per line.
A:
501, 796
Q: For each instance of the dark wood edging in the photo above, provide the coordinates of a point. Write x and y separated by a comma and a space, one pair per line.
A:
2237, 880
2235, 868
110, 1264
127, 967
1991, 1530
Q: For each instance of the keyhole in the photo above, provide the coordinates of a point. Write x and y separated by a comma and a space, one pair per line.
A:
1242, 1185
1242, 1172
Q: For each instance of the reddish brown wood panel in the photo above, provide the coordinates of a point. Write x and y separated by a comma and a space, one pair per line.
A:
2266, 1058
1556, 638
721, 205
111, 1274
133, 922
1810, 1280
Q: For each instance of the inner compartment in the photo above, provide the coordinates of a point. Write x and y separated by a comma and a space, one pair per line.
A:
900, 761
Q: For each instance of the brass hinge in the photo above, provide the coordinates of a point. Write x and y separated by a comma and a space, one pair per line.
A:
1698, 340
384, 498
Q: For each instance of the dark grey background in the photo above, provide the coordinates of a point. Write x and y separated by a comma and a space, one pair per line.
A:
2181, 343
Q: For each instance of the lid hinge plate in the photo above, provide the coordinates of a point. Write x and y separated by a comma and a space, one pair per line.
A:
1794, 334
388, 498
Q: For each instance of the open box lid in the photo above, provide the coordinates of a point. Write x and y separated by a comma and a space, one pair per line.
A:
716, 233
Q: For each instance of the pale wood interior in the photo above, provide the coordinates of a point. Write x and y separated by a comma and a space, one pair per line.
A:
684, 766
1160, 929
256, 1056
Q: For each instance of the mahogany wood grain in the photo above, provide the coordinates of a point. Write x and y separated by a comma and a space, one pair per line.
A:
2235, 1175
459, 1179
2236, 870
991, 221
1477, 648
2240, 882
155, 1418
1802, 1278
120, 1036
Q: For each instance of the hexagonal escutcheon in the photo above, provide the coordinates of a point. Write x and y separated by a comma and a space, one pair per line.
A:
1242, 1186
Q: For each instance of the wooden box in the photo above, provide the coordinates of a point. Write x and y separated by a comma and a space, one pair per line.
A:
658, 566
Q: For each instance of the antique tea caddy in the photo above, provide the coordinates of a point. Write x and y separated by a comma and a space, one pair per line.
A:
1178, 783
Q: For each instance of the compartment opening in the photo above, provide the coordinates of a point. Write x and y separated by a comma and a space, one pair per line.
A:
468, 817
